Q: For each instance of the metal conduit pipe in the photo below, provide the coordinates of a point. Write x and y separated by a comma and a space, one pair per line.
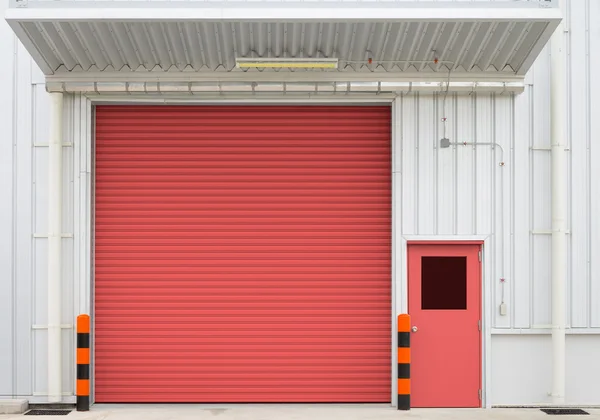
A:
54, 248
559, 196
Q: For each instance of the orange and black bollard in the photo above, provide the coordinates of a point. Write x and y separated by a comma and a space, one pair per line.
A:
83, 363
404, 362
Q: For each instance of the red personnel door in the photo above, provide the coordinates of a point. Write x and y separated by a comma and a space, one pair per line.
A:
444, 301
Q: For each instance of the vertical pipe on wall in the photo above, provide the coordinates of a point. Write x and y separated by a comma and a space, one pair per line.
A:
559, 196
54, 248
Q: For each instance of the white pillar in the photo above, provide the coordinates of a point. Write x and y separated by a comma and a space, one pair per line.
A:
559, 205
54, 248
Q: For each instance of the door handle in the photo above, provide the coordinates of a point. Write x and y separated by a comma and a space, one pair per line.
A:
414, 328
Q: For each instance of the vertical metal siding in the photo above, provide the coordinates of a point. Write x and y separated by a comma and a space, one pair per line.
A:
592, 199
522, 268
456, 190
578, 117
22, 221
528, 275
7, 192
583, 39
243, 254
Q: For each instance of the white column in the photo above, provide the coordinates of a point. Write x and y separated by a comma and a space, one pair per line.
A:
559, 205
54, 248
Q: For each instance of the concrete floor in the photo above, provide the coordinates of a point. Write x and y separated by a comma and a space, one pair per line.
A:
299, 412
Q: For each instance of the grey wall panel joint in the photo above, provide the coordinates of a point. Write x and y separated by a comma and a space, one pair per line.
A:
547, 232
47, 145
45, 327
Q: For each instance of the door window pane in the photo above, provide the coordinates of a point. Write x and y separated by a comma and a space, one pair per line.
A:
444, 283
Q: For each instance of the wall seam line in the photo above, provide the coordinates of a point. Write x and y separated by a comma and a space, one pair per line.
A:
13, 257
588, 173
436, 162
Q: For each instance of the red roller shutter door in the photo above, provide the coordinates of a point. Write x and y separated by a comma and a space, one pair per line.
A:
242, 254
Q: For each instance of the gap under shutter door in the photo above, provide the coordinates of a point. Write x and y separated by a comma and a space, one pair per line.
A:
242, 254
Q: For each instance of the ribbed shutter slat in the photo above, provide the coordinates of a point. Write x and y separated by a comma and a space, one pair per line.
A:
243, 254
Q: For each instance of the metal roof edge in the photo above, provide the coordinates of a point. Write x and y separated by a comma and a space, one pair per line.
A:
178, 4
287, 14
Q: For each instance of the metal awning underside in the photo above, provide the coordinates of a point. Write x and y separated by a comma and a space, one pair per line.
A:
478, 42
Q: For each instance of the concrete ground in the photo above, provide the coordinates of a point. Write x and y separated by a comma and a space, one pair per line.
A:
300, 412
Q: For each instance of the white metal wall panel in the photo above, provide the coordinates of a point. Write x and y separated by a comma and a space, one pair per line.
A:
578, 126
446, 164
462, 109
437, 202
593, 62
7, 175
22, 222
408, 204
484, 202
540, 204
521, 272
503, 128
423, 2
527, 357
512, 356
424, 174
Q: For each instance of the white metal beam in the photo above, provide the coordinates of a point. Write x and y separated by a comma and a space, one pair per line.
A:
288, 14
239, 76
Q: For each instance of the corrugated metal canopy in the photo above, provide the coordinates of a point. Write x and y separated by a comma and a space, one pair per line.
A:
465, 45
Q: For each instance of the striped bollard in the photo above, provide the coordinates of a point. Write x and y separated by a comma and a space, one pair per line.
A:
83, 363
404, 362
